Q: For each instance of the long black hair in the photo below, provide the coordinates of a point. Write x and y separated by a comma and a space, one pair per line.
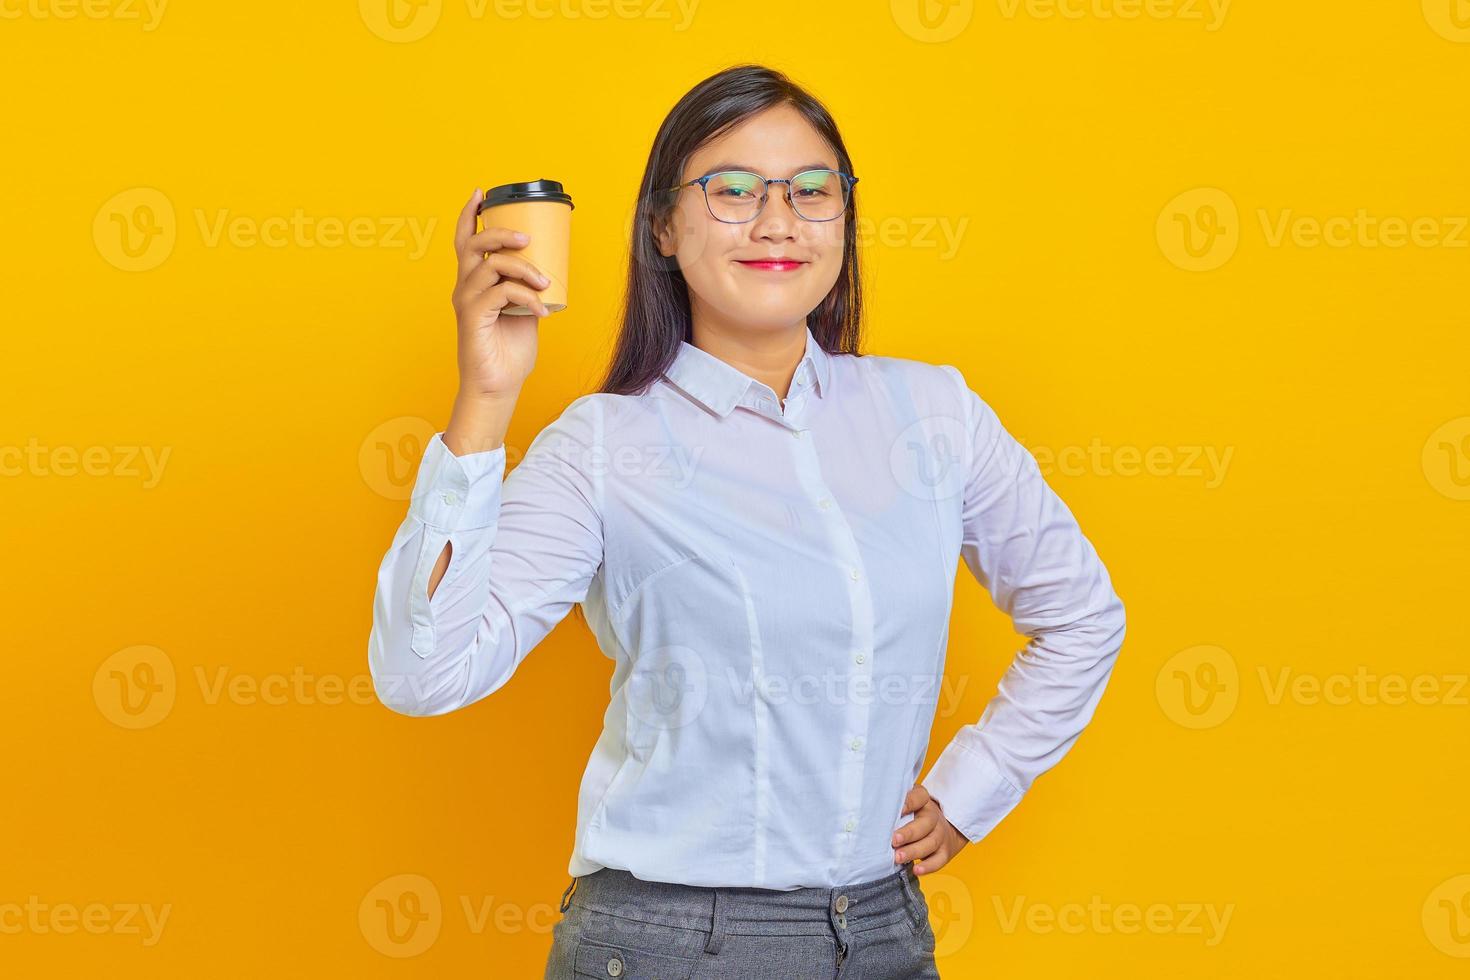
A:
656, 314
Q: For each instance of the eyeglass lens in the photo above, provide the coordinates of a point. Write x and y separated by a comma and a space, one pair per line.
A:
817, 195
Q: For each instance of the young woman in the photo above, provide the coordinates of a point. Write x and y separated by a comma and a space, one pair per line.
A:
762, 527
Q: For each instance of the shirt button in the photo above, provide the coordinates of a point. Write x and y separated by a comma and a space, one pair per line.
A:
614, 967
860, 658
824, 503
796, 433
451, 499
854, 574
857, 743
851, 823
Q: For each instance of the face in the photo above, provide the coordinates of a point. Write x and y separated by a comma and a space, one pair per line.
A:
711, 253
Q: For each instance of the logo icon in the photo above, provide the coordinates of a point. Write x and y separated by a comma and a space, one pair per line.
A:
951, 911
927, 457
1446, 459
1198, 687
135, 230
667, 689
1199, 230
401, 916
1447, 916
135, 687
932, 21
400, 21
1449, 18
389, 456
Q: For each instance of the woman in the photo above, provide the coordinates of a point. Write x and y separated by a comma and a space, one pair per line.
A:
762, 527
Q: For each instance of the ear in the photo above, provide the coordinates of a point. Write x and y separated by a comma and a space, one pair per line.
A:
663, 233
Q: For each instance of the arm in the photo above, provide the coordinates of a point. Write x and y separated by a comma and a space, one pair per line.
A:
517, 552
1025, 547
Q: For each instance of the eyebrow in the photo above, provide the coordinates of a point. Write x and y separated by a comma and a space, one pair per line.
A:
819, 165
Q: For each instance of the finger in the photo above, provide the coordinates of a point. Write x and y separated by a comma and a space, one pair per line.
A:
933, 862
921, 848
496, 237
914, 799
465, 226
505, 293
913, 833
497, 266
472, 253
923, 823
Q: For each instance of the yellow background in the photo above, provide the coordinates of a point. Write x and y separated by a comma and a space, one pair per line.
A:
1068, 154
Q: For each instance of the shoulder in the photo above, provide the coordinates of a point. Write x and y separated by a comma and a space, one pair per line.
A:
908, 369
589, 420
935, 386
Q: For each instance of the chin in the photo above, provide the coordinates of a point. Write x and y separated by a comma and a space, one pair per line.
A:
766, 315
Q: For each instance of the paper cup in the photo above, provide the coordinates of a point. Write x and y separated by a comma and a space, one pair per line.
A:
541, 209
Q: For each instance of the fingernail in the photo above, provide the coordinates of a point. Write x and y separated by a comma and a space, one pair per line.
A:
522, 237
900, 855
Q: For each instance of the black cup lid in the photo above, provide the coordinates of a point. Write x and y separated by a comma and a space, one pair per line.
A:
530, 190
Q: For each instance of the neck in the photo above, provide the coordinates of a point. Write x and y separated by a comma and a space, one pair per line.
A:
768, 354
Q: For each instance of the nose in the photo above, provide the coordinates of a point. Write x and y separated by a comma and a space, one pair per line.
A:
777, 220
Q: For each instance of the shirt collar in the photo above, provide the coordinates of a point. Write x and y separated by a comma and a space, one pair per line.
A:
720, 386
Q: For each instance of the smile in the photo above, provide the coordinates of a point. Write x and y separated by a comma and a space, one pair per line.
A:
772, 265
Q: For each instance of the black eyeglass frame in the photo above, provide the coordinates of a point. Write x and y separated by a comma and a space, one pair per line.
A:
849, 181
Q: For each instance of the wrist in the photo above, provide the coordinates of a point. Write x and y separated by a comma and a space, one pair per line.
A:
478, 423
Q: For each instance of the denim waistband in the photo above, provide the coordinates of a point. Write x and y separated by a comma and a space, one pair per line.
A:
750, 911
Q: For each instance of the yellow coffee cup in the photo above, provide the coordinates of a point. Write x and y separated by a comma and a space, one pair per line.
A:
543, 210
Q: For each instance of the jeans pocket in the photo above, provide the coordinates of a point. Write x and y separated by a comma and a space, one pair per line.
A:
627, 932
615, 946
604, 960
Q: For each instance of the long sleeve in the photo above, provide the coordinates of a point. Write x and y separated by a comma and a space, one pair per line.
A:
524, 550
1024, 546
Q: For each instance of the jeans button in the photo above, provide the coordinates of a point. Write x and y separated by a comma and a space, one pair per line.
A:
841, 903
614, 967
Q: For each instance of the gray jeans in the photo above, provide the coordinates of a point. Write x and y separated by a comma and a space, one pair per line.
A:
619, 927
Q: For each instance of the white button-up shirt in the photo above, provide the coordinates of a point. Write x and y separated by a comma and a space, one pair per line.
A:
773, 582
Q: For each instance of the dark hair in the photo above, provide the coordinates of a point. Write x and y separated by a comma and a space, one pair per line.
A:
656, 315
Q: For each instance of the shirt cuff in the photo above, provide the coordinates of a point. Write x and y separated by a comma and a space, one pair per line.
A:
457, 493
970, 790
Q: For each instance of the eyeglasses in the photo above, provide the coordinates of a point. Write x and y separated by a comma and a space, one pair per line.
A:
736, 196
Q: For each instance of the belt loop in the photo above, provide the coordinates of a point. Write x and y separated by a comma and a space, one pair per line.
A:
716, 924
565, 899
906, 876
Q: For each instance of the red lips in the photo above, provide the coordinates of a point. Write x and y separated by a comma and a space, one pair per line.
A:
773, 265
